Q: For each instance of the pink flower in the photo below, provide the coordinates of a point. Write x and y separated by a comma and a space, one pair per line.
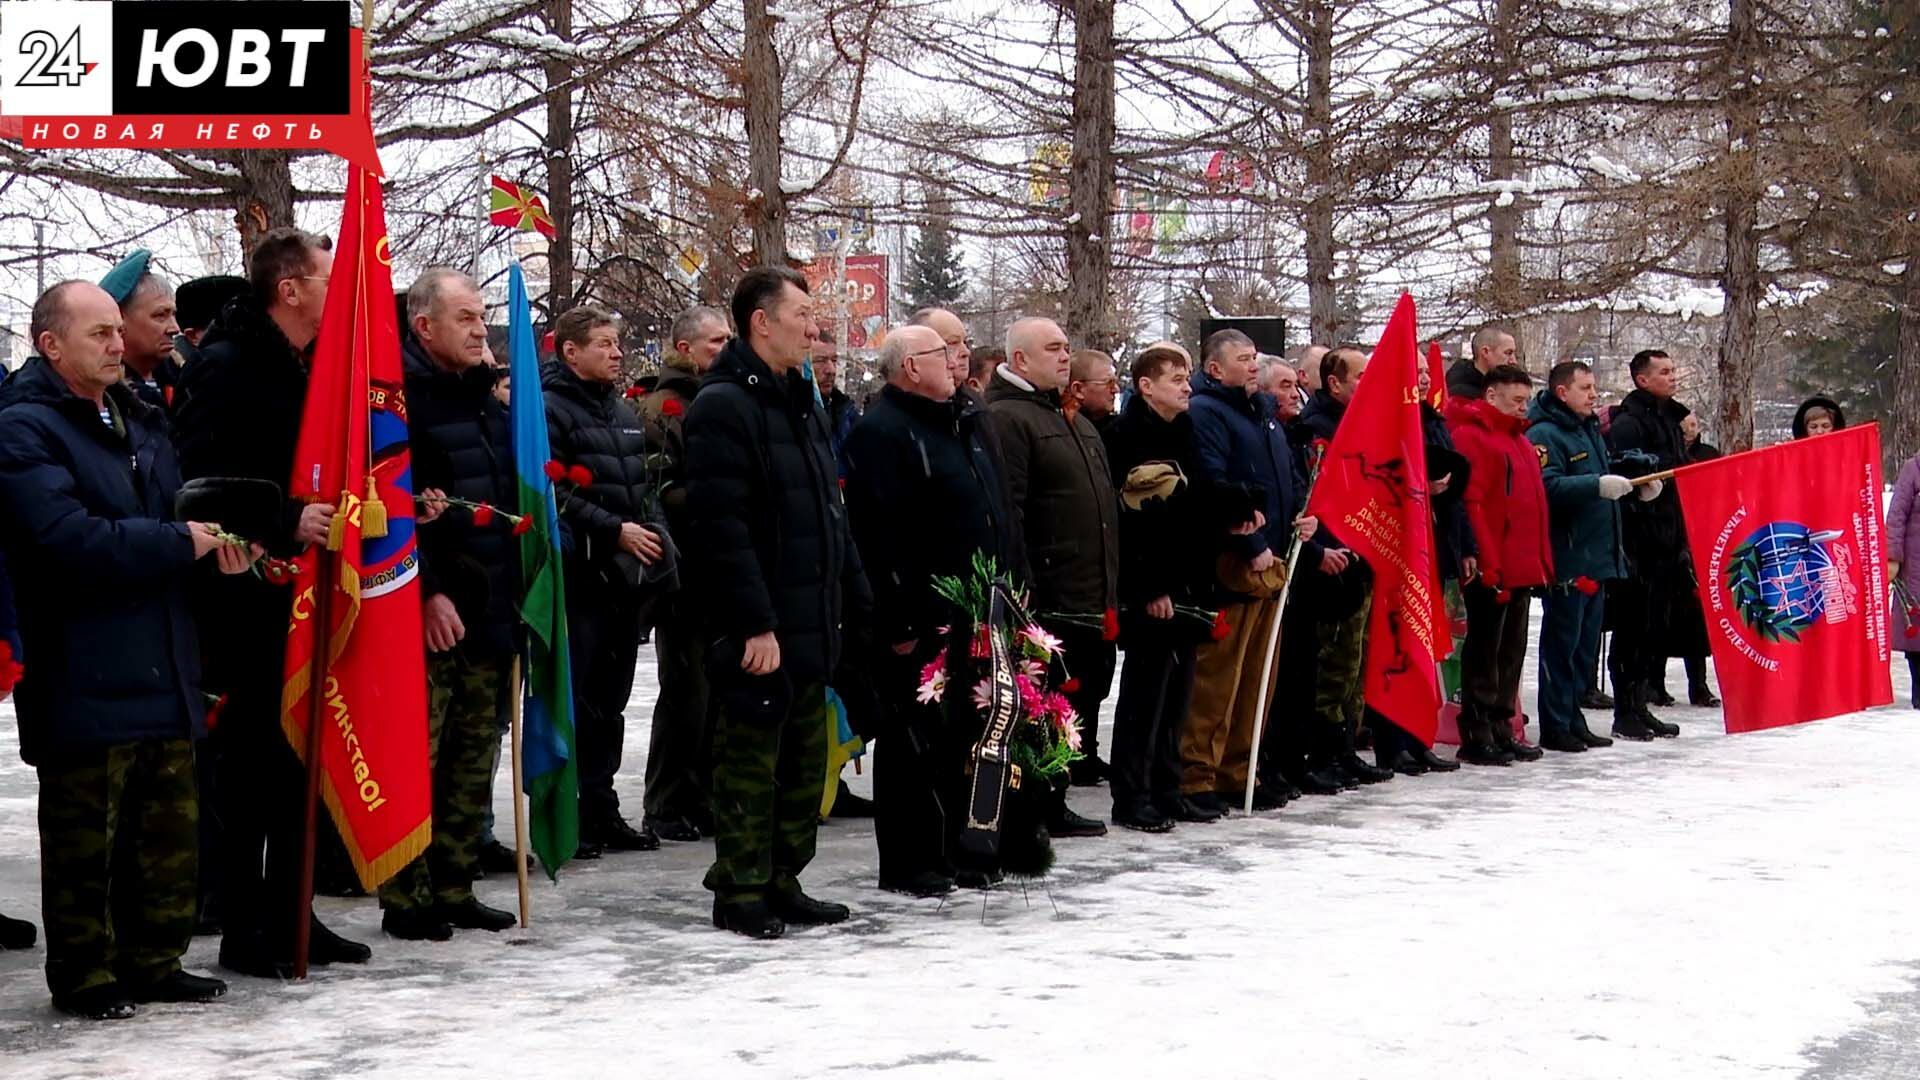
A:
983, 695
1033, 669
1073, 737
1031, 701
932, 688
934, 666
1036, 638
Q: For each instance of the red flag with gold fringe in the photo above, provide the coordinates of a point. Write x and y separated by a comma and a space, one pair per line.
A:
352, 452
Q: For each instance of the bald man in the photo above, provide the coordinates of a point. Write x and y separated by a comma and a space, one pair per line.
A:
1063, 497
1492, 348
924, 495
1310, 368
955, 339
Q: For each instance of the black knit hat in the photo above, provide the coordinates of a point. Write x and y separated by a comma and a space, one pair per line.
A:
198, 302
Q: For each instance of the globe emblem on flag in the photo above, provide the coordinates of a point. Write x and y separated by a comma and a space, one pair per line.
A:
1782, 578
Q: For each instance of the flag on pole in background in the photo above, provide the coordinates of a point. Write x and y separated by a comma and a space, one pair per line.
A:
551, 770
352, 452
517, 208
1788, 549
1372, 495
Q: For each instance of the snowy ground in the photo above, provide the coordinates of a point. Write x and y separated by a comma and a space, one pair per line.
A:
1705, 907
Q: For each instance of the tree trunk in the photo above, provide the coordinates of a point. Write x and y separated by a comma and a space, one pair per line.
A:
1740, 280
761, 85
1322, 319
1089, 303
1503, 221
559, 74
265, 197
1904, 439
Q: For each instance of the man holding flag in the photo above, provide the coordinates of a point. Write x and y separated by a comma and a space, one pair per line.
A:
1373, 490
469, 573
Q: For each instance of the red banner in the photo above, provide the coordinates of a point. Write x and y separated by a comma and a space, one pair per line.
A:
1787, 544
1372, 495
862, 296
353, 453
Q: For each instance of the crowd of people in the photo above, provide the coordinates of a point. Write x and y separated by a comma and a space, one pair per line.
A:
779, 542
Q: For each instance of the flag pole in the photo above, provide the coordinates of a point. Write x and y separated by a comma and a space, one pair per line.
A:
1266, 673
324, 571
519, 798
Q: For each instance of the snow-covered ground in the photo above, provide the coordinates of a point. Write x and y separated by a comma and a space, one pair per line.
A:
1706, 907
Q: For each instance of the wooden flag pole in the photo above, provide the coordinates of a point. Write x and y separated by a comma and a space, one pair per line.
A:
324, 569
1266, 674
1651, 477
519, 799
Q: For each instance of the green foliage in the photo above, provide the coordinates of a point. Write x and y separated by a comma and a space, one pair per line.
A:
1743, 581
936, 275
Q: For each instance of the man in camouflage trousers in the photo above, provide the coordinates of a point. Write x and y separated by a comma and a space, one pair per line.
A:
462, 443
111, 706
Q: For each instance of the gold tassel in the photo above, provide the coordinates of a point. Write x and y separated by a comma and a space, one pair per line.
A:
373, 512
337, 527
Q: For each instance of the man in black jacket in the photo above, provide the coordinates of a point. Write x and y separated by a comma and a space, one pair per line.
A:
462, 444
109, 710
776, 576
1492, 348
621, 559
1641, 604
680, 750
237, 413
925, 494
1062, 491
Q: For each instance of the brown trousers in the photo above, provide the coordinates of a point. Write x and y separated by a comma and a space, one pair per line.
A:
1216, 744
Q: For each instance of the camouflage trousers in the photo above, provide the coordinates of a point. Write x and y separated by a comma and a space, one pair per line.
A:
463, 744
119, 853
1339, 683
769, 753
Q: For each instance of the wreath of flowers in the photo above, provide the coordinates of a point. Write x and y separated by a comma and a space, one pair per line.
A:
1046, 730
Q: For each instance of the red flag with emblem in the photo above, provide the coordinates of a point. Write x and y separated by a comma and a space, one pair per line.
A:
1436, 375
1372, 496
1787, 547
517, 208
352, 452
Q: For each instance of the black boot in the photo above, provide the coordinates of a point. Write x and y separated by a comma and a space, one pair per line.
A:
1658, 726
798, 909
1356, 768
326, 947
927, 883
1089, 771
1434, 762
1478, 752
1586, 735
752, 918
181, 986
1407, 765
615, 834
1596, 698
17, 933
1267, 798
1700, 695
1660, 697
1142, 817
1565, 742
424, 924
977, 879
1185, 809
678, 830
471, 914
108, 1002
1631, 726
1065, 823
497, 858
848, 805
1319, 782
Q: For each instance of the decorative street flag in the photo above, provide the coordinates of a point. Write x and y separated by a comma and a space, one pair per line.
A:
1787, 547
352, 452
1372, 495
1436, 375
552, 776
517, 208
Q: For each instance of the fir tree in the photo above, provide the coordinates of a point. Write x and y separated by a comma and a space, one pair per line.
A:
935, 276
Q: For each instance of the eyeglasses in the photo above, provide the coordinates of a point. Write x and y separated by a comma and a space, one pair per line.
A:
941, 352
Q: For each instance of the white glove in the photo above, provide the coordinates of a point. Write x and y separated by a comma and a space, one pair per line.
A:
1651, 490
1614, 487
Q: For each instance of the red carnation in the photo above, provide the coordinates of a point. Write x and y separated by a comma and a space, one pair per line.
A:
213, 712
1586, 585
554, 470
579, 476
1220, 627
483, 515
1913, 631
10, 669
636, 392
1110, 626
1071, 686
673, 407
521, 526
1504, 596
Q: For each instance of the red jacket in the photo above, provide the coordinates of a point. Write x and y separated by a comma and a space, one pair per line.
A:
1506, 499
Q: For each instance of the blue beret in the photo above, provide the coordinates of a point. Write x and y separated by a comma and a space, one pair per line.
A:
125, 274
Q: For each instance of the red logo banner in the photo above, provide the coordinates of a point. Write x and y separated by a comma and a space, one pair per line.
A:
1787, 545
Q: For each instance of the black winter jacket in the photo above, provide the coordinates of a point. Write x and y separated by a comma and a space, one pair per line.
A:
100, 568
771, 548
589, 424
462, 443
1656, 538
1452, 532
237, 412
1343, 592
1168, 545
925, 491
1062, 490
